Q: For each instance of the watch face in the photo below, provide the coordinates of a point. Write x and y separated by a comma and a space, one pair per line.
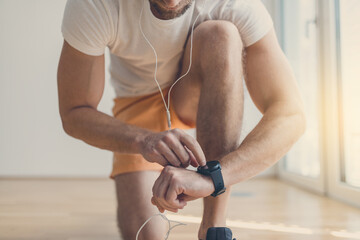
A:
213, 165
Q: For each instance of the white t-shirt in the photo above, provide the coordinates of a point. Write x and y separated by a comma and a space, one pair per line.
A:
92, 25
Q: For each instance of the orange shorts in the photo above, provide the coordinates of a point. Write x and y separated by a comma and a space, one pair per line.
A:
146, 112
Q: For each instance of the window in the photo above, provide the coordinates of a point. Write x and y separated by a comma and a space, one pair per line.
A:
348, 51
299, 40
322, 42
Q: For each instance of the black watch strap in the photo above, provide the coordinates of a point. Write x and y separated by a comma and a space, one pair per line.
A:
218, 181
213, 169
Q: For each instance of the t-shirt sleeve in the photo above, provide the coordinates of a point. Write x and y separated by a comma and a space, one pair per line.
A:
89, 25
249, 16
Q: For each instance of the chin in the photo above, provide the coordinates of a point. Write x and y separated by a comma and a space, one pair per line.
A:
170, 13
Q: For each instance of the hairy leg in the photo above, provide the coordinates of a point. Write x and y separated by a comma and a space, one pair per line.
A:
134, 206
212, 96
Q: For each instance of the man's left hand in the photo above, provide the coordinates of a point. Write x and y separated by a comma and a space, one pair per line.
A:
176, 186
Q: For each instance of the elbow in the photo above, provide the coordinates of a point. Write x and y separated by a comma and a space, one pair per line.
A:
67, 126
72, 121
69, 120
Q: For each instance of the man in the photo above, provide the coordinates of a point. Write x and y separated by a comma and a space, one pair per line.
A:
232, 40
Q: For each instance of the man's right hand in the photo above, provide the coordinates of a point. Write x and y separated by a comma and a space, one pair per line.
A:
173, 147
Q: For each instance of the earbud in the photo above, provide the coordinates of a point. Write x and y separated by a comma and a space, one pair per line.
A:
168, 118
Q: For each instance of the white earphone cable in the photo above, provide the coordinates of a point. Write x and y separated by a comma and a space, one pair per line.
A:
190, 59
167, 106
165, 218
156, 57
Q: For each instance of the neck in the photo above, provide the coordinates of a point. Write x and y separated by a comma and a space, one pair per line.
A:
157, 14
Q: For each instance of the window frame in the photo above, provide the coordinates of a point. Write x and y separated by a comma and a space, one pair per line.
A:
316, 185
337, 188
330, 181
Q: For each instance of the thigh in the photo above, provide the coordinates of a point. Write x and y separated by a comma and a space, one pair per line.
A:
134, 192
208, 37
185, 94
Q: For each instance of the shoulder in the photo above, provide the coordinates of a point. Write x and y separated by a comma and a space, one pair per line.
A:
90, 25
249, 16
236, 6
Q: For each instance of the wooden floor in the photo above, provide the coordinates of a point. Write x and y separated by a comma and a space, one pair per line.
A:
263, 209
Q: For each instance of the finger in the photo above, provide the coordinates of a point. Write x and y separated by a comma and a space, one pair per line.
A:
168, 154
172, 197
154, 202
192, 158
178, 149
158, 157
194, 147
158, 207
161, 193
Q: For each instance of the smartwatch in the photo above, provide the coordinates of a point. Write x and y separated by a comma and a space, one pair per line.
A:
213, 169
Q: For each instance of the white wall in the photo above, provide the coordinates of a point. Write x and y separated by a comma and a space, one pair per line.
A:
32, 142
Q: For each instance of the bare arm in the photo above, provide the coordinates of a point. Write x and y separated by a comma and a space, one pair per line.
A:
80, 88
273, 88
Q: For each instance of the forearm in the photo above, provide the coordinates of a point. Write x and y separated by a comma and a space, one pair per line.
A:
274, 135
103, 131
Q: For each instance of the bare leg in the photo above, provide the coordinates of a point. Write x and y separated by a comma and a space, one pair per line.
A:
134, 206
212, 96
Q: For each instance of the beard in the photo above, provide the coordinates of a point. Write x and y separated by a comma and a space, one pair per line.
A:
164, 13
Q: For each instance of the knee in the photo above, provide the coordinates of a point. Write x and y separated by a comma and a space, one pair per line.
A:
150, 234
218, 42
218, 33
144, 235
128, 229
